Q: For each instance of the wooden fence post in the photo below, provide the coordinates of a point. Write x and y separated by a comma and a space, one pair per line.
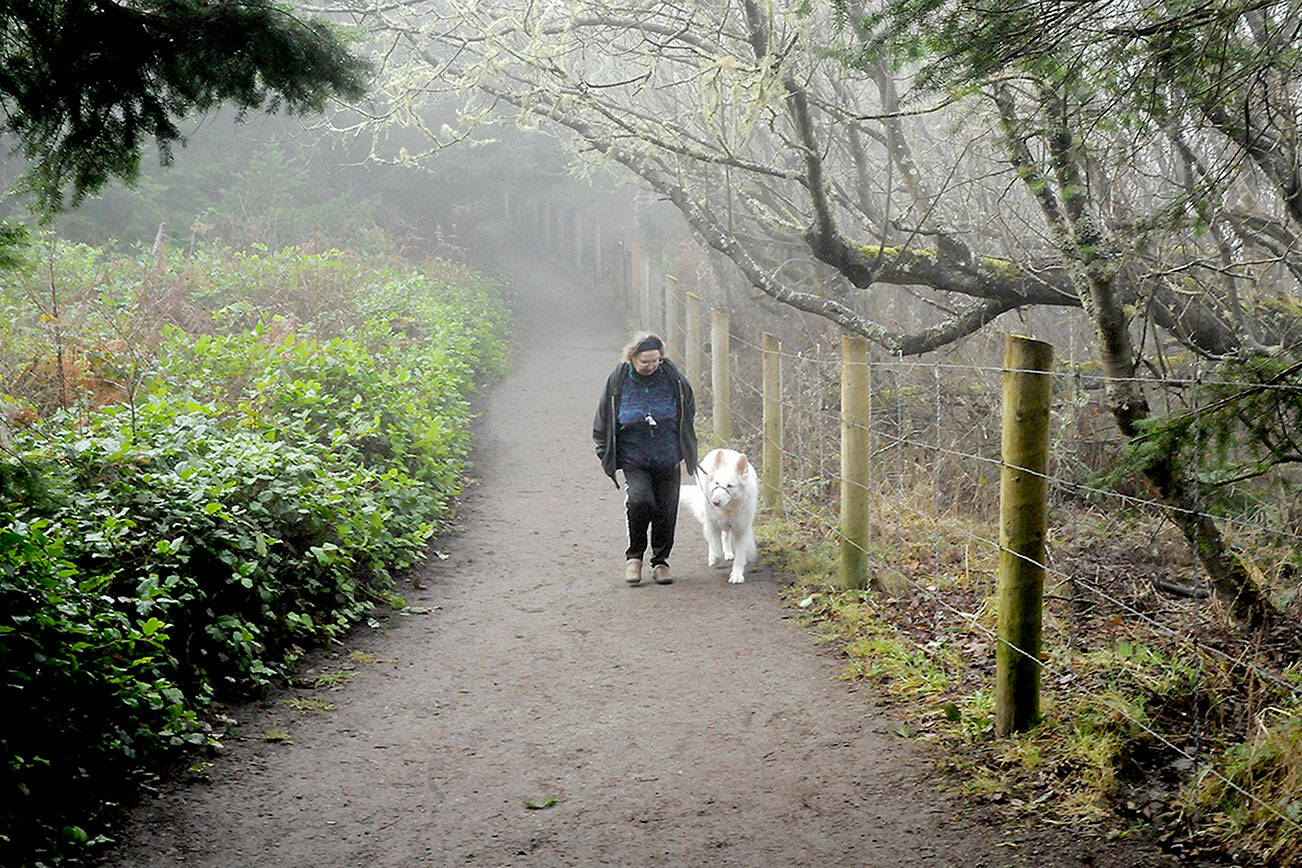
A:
771, 455
855, 383
634, 275
673, 320
692, 337
647, 315
660, 301
720, 374
1023, 491
617, 267
578, 240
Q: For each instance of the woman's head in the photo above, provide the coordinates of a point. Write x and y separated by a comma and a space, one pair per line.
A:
645, 353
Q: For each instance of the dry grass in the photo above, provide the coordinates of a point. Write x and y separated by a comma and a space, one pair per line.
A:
1136, 681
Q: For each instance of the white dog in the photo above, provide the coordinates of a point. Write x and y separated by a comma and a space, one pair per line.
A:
724, 500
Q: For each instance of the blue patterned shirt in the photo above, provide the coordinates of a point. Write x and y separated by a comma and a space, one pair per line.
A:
642, 444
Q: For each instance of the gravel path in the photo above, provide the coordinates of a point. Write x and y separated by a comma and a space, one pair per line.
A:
688, 724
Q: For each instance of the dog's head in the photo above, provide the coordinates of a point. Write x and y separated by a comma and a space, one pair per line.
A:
723, 477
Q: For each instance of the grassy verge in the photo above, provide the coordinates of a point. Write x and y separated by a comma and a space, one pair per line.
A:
1139, 729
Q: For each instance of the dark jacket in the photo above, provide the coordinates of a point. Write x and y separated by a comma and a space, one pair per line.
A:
606, 424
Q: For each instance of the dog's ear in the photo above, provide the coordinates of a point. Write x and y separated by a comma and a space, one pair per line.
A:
718, 460
742, 464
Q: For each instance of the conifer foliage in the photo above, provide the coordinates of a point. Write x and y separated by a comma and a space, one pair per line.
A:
85, 83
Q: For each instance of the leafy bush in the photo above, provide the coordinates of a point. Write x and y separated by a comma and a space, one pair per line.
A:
84, 687
251, 496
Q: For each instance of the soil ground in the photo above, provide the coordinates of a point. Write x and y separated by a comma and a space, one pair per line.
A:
687, 724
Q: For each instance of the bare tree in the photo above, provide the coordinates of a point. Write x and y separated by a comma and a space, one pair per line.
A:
1008, 188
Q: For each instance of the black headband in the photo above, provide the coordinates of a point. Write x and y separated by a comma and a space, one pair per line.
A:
651, 342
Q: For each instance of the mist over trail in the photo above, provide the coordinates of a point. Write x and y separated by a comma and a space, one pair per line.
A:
689, 724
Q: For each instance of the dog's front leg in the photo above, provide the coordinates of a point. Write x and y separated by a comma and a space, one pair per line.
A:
744, 551
728, 545
738, 574
714, 542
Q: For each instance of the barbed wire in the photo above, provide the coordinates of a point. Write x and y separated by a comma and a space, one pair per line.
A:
1186, 638
900, 441
1128, 499
1073, 374
1120, 708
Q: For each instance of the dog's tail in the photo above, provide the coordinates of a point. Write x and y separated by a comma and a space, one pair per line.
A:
693, 498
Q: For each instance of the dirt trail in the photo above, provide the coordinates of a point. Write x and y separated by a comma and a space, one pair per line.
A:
687, 724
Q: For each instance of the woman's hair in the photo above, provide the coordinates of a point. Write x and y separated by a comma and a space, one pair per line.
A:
631, 350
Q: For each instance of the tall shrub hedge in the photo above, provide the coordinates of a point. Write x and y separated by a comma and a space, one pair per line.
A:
286, 445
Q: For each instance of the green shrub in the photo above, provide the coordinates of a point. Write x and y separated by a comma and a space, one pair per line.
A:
84, 686
254, 497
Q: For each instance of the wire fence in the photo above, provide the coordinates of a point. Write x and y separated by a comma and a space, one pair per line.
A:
1116, 556
931, 466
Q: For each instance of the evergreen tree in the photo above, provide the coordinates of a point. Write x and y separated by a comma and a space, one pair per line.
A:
83, 83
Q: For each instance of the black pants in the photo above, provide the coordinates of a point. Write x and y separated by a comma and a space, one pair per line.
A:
651, 499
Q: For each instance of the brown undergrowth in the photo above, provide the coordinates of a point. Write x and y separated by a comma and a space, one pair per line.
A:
1157, 712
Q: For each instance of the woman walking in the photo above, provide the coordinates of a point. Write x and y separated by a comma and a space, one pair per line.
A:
644, 426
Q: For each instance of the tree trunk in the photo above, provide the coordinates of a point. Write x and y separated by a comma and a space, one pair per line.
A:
1226, 571
1091, 261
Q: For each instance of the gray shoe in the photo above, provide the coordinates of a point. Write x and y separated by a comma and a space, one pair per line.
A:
633, 571
660, 572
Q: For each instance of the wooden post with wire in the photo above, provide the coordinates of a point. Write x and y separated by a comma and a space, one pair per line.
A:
771, 454
721, 375
692, 336
1023, 496
634, 275
647, 315
855, 382
619, 260
673, 319
578, 240
658, 310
